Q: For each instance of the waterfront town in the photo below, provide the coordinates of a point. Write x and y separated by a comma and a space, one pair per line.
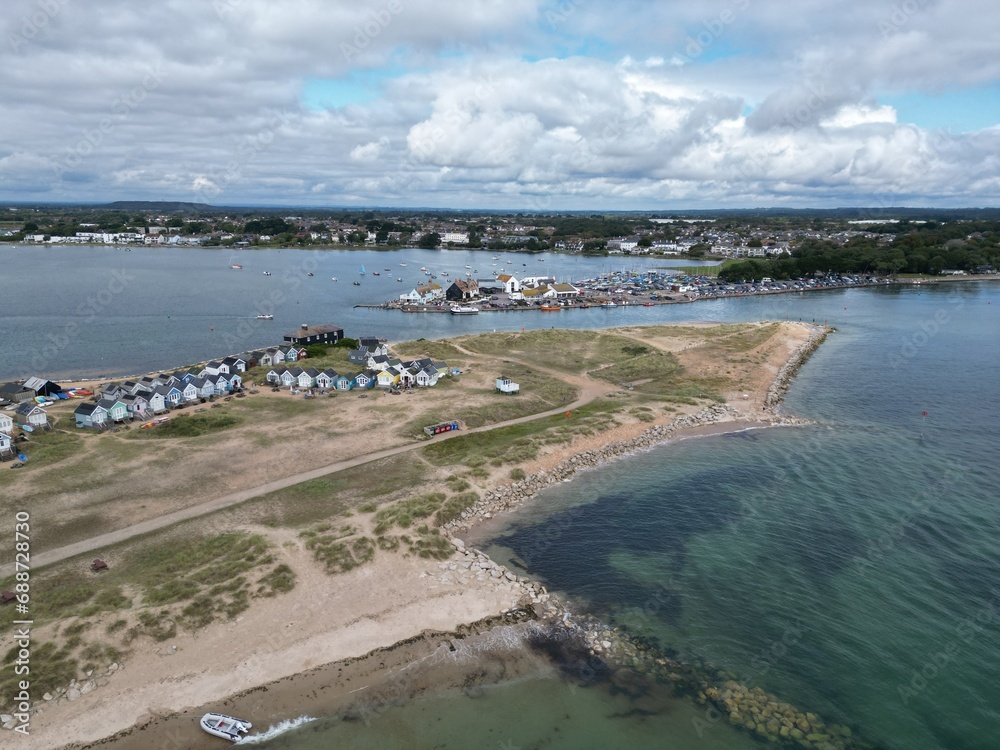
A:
876, 241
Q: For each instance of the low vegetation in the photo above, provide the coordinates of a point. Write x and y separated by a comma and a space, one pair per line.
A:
184, 425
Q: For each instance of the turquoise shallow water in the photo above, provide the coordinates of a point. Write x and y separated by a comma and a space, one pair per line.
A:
852, 567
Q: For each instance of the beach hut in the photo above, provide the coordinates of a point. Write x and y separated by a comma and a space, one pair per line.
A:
343, 383
6, 423
117, 409
307, 378
387, 379
6, 445
158, 399
90, 415
326, 378
31, 414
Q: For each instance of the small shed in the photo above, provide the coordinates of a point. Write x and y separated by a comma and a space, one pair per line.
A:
98, 565
505, 385
7, 596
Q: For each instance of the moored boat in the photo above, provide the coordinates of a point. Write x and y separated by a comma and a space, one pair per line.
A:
551, 308
224, 726
464, 310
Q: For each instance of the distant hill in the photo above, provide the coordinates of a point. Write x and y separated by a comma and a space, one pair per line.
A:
159, 206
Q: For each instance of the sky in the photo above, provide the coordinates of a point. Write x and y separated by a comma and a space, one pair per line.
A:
502, 104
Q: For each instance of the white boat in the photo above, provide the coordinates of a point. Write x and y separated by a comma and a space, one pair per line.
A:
267, 273
224, 726
608, 304
265, 317
333, 278
235, 266
464, 310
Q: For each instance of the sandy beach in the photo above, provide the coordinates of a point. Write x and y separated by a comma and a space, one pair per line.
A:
328, 637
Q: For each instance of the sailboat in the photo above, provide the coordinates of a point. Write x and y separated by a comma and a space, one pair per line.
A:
362, 269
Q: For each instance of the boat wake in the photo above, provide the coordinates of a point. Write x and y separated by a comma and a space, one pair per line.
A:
275, 731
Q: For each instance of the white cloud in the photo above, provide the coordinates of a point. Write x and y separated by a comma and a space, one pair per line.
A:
499, 103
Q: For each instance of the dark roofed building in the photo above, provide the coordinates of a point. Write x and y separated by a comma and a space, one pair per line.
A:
326, 333
462, 289
15, 392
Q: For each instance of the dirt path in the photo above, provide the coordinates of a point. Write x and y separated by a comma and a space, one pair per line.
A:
589, 390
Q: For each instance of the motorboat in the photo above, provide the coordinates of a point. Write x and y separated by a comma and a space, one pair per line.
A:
356, 283
235, 266
310, 274
265, 317
224, 726
267, 273
551, 308
608, 304
464, 310
333, 278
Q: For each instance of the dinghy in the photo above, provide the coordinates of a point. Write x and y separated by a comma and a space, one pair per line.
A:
224, 726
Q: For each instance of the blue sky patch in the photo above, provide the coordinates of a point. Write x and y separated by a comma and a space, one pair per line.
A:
956, 111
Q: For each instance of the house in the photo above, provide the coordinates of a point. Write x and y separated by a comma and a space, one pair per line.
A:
327, 333
117, 410
173, 395
504, 385
220, 383
539, 293
427, 376
373, 345
43, 387
113, 391
6, 423
387, 379
157, 400
408, 376
565, 290
190, 392
91, 415
15, 393
252, 359
6, 445
365, 380
294, 354
290, 376
183, 376
31, 414
326, 379
235, 364
424, 294
307, 378
274, 374
131, 386
462, 289
510, 284
212, 368
138, 406
378, 362
206, 388
358, 356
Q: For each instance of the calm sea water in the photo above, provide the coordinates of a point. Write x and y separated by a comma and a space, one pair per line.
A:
851, 567
91, 310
